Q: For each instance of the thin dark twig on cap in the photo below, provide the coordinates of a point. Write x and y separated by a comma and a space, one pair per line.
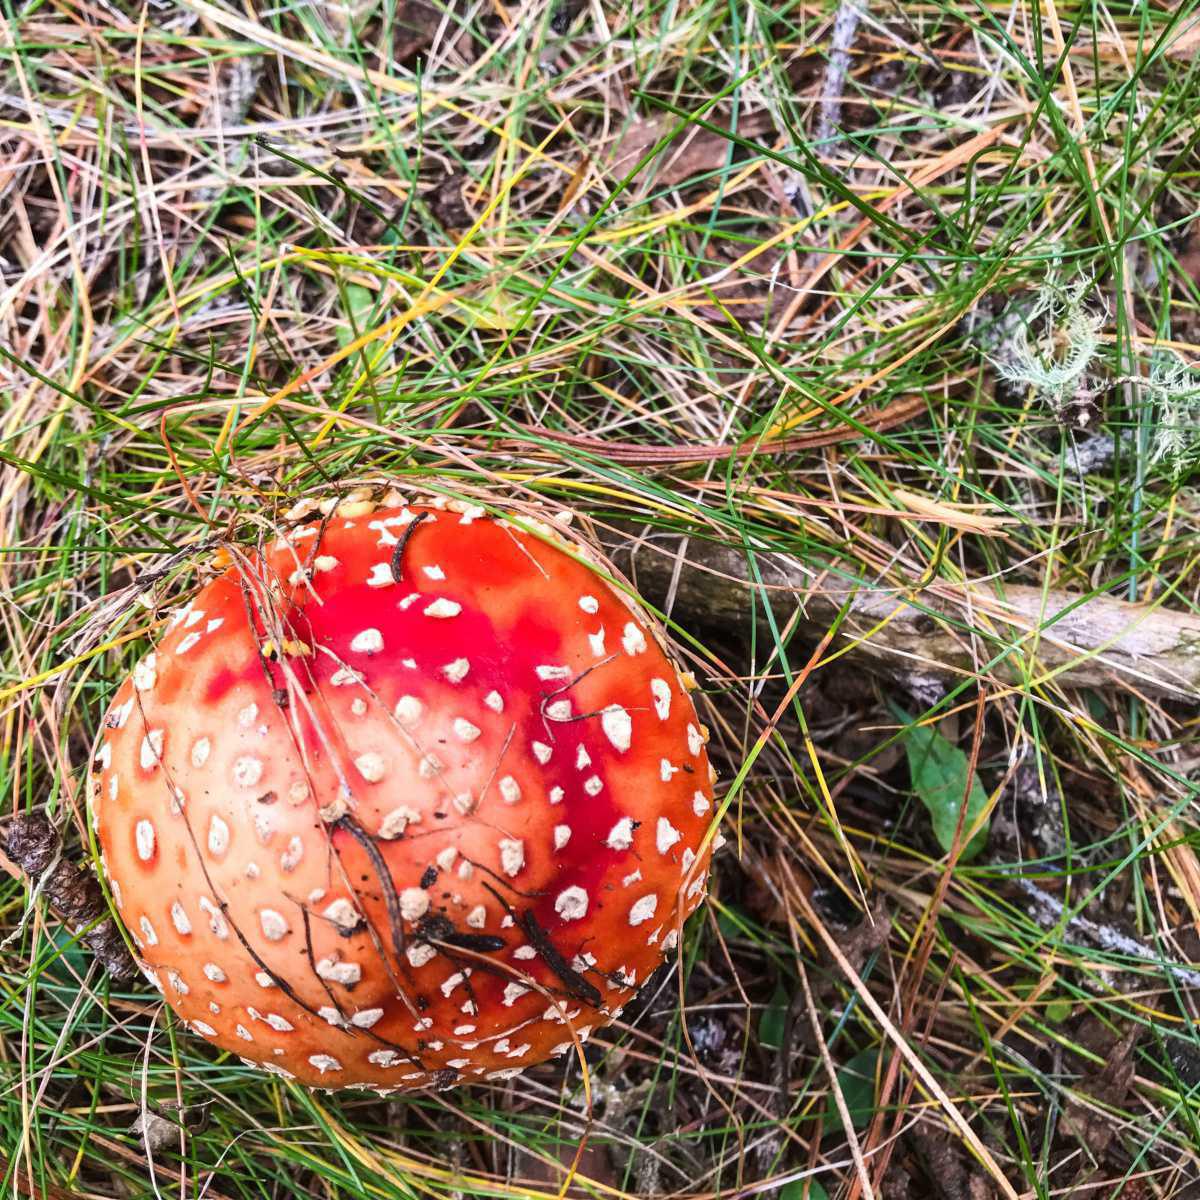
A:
572, 980
312, 961
390, 898
573, 983
402, 543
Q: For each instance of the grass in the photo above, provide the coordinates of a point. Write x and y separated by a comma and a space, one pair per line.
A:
542, 249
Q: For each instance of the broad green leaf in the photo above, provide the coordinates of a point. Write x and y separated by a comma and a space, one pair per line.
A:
1058, 1011
857, 1081
732, 922
770, 1026
71, 964
940, 776
360, 301
795, 1190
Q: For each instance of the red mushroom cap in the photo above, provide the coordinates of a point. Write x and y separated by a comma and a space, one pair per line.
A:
412, 797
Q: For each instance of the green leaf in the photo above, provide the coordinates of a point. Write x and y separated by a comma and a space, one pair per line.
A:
770, 1026
857, 1081
1058, 1011
732, 922
941, 773
70, 964
360, 303
795, 1190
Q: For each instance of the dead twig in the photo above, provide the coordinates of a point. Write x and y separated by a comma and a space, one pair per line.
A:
898, 412
1021, 635
845, 26
1050, 913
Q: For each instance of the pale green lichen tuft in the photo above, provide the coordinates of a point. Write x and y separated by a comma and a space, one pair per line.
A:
1055, 363
1173, 387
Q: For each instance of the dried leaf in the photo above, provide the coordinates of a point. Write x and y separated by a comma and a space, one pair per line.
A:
156, 1132
1108, 1087
869, 935
595, 1170
448, 203
693, 151
942, 1161
1189, 256
414, 23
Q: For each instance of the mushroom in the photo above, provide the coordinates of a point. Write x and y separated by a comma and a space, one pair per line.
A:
410, 796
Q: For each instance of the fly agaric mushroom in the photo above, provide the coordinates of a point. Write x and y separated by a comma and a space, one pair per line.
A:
409, 797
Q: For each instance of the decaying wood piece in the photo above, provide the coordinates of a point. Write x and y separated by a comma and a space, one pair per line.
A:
939, 629
845, 25
33, 846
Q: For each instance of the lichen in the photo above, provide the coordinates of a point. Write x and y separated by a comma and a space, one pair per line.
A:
1054, 363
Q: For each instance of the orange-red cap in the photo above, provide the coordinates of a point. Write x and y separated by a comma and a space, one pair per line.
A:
411, 797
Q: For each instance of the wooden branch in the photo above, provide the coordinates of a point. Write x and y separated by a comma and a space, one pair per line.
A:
940, 630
